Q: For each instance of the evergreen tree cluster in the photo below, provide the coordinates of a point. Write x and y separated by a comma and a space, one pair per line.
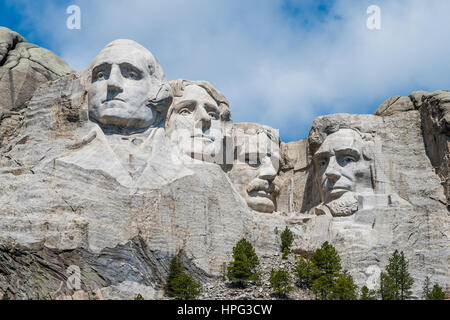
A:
434, 294
322, 274
319, 271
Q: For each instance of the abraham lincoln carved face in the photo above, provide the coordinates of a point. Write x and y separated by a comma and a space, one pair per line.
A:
342, 168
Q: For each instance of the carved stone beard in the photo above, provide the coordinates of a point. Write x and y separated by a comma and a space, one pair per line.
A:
345, 205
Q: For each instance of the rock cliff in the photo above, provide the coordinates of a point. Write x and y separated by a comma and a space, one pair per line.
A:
108, 173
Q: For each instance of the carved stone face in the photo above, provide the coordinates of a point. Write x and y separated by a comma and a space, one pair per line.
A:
340, 167
195, 124
256, 166
119, 90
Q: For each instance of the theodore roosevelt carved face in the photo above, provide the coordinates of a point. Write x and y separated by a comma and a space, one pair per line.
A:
127, 87
197, 119
256, 165
341, 169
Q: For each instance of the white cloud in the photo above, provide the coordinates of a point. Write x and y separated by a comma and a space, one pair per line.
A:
274, 68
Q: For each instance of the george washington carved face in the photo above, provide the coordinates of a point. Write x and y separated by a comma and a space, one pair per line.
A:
125, 82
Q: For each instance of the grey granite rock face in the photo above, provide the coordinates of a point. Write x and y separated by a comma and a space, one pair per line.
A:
23, 67
116, 204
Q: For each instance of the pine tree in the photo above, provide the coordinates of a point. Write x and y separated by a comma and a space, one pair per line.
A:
387, 287
307, 272
244, 266
185, 287
436, 293
175, 269
327, 260
397, 273
322, 287
179, 284
328, 264
286, 240
344, 288
367, 294
138, 297
280, 282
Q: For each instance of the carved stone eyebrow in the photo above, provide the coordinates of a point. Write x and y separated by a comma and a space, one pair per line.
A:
322, 154
185, 103
130, 66
101, 66
348, 151
211, 107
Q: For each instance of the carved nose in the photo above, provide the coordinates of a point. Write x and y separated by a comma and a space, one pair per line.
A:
115, 81
332, 173
204, 118
267, 170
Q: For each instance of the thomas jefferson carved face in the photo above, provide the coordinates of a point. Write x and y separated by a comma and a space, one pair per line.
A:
340, 165
195, 125
256, 166
124, 77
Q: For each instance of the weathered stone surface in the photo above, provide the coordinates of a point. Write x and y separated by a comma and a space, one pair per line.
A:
435, 112
393, 105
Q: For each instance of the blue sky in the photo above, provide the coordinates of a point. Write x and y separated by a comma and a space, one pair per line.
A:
279, 62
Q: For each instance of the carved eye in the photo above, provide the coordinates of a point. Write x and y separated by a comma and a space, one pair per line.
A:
99, 75
322, 162
133, 75
185, 112
213, 115
348, 159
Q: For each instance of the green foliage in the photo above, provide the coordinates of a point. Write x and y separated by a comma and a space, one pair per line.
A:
436, 294
328, 264
387, 287
286, 240
327, 260
285, 254
180, 284
307, 272
322, 287
280, 282
5, 297
344, 288
185, 287
175, 269
139, 297
367, 294
396, 283
244, 266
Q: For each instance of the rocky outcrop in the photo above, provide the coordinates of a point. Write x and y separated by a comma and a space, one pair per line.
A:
434, 110
23, 68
